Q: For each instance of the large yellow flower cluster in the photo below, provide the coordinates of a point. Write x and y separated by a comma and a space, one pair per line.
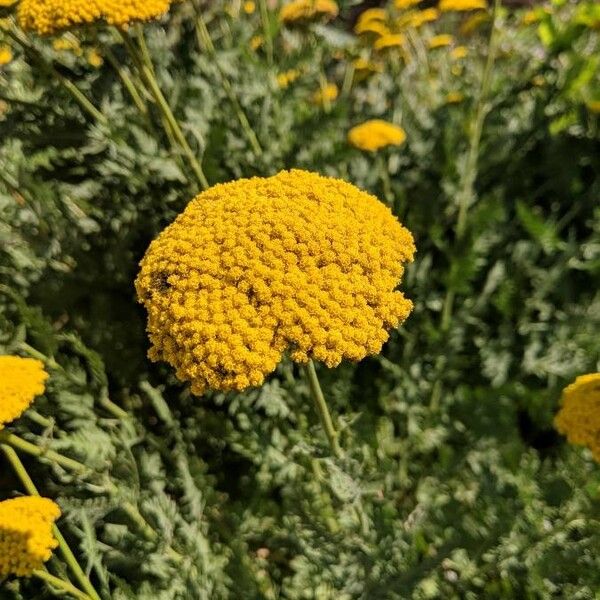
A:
579, 416
304, 10
295, 263
462, 5
49, 16
21, 380
26, 539
375, 134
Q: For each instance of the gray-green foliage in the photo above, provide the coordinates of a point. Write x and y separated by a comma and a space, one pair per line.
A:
454, 483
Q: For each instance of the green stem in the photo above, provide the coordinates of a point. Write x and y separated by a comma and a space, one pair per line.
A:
20, 444
127, 81
147, 74
266, 25
65, 550
205, 40
385, 179
60, 584
322, 409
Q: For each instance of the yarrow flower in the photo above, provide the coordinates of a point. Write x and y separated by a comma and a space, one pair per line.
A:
459, 52
304, 10
376, 27
392, 40
326, 94
286, 77
418, 18
21, 380
402, 4
371, 15
49, 16
26, 539
454, 97
375, 134
579, 416
365, 66
441, 40
6, 55
462, 5
255, 268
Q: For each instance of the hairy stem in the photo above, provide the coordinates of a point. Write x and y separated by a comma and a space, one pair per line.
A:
60, 584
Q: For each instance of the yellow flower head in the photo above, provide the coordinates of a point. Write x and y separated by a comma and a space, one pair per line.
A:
327, 94
391, 40
459, 52
6, 55
21, 380
249, 7
67, 43
454, 97
366, 66
375, 134
418, 18
95, 59
256, 42
462, 5
286, 77
403, 4
296, 263
376, 27
472, 23
49, 16
439, 41
305, 10
370, 15
26, 539
579, 416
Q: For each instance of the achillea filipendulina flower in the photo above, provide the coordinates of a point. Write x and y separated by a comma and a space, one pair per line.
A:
67, 43
375, 134
402, 4
579, 416
21, 380
439, 41
454, 97
49, 16
420, 17
472, 23
305, 10
376, 27
363, 65
392, 40
462, 5
326, 94
295, 263
6, 55
459, 52
286, 77
249, 7
94, 58
372, 14
256, 42
26, 540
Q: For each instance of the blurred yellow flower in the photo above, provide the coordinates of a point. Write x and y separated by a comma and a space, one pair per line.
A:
7, 3
538, 80
376, 27
441, 40
472, 22
364, 65
326, 94
391, 40
94, 58
249, 7
67, 43
402, 4
454, 97
372, 14
593, 105
530, 16
579, 415
256, 42
49, 16
462, 5
286, 77
6, 55
255, 268
459, 52
302, 10
26, 537
420, 17
21, 380
375, 134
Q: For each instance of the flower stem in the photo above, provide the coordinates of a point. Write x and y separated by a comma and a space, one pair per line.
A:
322, 409
60, 584
68, 555
264, 16
147, 74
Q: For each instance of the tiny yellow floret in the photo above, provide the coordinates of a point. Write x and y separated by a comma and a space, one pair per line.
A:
375, 134
462, 5
305, 10
579, 416
49, 16
21, 380
295, 263
26, 539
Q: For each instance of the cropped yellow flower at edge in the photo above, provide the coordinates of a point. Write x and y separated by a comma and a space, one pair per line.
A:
26, 539
21, 380
579, 416
50, 16
462, 5
6, 55
375, 134
403, 4
296, 263
304, 10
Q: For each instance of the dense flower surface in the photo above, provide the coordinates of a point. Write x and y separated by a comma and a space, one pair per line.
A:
49, 16
462, 5
26, 539
302, 10
579, 416
251, 269
21, 380
375, 134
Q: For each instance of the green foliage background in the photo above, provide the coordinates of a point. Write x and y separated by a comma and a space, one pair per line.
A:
454, 484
